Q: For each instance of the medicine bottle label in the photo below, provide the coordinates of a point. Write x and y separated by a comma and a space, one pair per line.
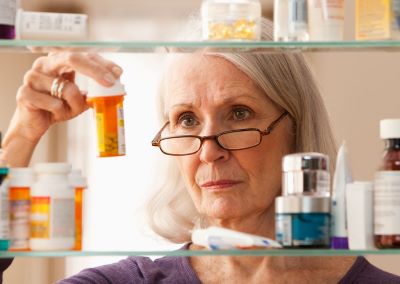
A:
100, 131
121, 129
63, 216
52, 22
387, 203
52, 218
372, 19
19, 218
283, 228
40, 217
4, 211
8, 10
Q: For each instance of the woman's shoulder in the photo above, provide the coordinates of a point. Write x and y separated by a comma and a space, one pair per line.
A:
138, 270
364, 272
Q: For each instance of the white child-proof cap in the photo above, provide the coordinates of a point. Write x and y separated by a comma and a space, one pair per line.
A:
52, 168
390, 128
96, 90
21, 177
76, 179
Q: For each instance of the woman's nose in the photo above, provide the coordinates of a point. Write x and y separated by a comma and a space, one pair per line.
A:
211, 152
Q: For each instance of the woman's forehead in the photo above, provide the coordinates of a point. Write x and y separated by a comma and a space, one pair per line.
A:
191, 75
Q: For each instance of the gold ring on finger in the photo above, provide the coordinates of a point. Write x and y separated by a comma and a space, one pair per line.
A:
61, 88
54, 86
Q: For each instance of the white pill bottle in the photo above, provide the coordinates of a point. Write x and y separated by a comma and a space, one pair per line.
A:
52, 208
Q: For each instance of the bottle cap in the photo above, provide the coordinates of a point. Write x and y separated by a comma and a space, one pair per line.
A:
390, 128
21, 177
360, 185
302, 204
52, 168
96, 90
76, 179
305, 161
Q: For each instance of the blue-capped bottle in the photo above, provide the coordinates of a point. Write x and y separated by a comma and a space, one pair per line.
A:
4, 205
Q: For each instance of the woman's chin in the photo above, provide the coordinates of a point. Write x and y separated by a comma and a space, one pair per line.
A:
222, 208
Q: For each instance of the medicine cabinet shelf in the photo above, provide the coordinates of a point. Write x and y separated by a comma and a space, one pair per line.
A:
39, 46
269, 252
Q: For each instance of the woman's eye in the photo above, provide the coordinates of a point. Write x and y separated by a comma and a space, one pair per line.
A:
187, 120
241, 113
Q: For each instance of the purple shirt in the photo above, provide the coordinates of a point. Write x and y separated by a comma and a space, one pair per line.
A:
177, 270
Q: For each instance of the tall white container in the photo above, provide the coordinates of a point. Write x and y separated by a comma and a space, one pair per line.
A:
326, 20
281, 20
52, 208
360, 221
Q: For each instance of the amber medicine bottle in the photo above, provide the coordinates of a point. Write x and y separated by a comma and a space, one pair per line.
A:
387, 188
21, 181
108, 107
78, 182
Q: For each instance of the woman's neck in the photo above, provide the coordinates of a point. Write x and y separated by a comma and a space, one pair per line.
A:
258, 223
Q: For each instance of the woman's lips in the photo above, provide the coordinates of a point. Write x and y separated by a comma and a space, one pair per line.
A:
219, 184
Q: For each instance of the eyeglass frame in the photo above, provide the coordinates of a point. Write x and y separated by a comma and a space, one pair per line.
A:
156, 142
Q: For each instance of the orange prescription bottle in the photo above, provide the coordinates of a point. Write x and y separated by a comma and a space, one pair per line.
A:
21, 180
108, 107
78, 182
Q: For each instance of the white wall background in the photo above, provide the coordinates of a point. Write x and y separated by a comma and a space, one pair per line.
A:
118, 187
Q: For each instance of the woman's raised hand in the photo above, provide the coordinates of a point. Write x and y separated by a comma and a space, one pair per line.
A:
38, 108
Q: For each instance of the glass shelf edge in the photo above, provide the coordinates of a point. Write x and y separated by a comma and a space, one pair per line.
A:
152, 46
280, 252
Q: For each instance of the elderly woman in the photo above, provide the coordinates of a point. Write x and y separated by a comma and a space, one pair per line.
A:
224, 175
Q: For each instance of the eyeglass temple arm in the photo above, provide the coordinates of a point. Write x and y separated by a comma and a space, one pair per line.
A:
157, 138
275, 122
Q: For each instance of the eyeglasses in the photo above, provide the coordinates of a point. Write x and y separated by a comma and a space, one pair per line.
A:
232, 140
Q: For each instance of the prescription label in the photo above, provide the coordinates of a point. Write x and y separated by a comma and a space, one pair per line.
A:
40, 217
121, 130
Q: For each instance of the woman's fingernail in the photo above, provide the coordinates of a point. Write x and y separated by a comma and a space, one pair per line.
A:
109, 78
117, 71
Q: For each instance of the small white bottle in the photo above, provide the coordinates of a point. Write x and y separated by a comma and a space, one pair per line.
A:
298, 20
326, 20
281, 20
359, 211
52, 208
21, 181
51, 26
395, 17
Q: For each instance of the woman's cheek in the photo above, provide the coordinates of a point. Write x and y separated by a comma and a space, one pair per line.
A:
187, 167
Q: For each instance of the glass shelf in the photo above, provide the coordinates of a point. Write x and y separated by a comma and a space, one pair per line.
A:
39, 46
269, 252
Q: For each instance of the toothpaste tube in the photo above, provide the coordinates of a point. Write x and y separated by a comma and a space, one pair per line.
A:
217, 238
341, 178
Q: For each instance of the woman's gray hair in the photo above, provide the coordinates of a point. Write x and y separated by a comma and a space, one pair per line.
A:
287, 80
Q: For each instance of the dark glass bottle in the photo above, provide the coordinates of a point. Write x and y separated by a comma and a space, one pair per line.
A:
8, 10
391, 168
7, 31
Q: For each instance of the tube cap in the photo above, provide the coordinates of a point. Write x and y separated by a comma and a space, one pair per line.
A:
390, 128
305, 161
96, 90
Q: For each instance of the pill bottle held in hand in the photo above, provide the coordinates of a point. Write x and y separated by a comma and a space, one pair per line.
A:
107, 104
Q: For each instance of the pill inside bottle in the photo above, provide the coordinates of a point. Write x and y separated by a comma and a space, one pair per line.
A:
107, 104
